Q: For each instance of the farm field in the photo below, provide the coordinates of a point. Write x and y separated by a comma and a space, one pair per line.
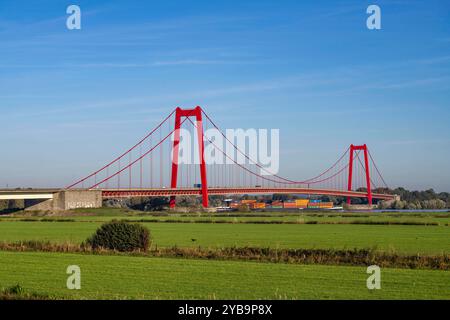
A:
110, 276
124, 277
102, 215
405, 239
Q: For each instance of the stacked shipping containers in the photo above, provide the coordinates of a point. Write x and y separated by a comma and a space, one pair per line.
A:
314, 204
326, 205
297, 204
234, 205
302, 203
257, 205
277, 205
290, 205
317, 204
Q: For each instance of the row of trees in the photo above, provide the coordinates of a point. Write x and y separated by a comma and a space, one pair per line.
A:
429, 194
416, 200
414, 205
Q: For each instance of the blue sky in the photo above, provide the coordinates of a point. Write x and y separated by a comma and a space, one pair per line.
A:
70, 100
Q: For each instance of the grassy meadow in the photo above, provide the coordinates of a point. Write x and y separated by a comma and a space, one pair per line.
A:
122, 277
136, 277
393, 238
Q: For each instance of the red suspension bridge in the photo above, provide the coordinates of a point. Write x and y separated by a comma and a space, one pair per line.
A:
151, 168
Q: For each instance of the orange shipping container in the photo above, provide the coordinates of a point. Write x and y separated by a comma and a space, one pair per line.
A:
301, 202
248, 201
258, 205
326, 205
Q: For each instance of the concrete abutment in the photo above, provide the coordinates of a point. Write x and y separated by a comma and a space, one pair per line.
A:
67, 200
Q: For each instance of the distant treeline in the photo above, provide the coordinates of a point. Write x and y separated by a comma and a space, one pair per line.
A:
427, 199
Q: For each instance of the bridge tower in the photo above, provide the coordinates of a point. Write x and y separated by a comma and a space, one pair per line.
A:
363, 148
197, 113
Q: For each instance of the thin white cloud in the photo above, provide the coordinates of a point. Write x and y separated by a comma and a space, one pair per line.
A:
193, 62
305, 81
105, 123
417, 141
434, 60
167, 63
410, 83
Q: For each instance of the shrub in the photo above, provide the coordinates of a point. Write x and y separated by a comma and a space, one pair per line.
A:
15, 290
121, 236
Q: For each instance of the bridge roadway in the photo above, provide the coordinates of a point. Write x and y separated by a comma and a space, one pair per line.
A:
166, 192
27, 194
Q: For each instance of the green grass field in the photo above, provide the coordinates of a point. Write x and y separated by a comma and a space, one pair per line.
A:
131, 277
101, 215
123, 277
392, 238
432, 220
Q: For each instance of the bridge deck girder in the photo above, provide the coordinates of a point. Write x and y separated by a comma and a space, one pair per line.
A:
167, 192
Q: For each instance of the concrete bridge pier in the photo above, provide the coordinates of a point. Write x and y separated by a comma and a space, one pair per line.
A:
66, 200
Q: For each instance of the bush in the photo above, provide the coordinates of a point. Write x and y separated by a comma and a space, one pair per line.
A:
15, 290
121, 236
399, 204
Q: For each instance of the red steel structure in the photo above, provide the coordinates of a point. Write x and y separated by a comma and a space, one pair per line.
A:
197, 113
130, 193
353, 149
144, 167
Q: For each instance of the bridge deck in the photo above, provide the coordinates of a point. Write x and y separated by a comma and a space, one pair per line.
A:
166, 192
27, 194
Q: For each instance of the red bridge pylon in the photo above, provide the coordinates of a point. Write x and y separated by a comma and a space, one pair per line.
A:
363, 148
197, 113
